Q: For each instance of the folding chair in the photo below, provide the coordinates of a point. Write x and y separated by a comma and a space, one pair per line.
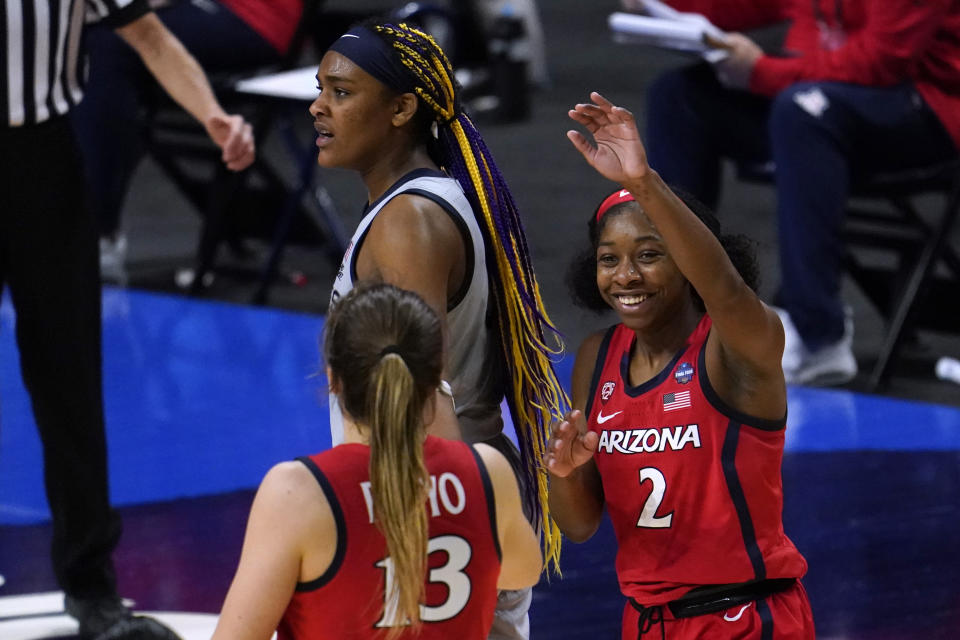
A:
258, 202
286, 95
911, 293
916, 283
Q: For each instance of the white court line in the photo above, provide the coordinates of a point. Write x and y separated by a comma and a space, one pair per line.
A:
35, 616
35, 604
31, 604
36, 628
190, 626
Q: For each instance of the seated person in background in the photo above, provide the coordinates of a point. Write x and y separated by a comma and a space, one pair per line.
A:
679, 411
392, 533
222, 35
863, 86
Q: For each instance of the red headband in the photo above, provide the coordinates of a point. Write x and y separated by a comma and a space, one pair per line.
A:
615, 198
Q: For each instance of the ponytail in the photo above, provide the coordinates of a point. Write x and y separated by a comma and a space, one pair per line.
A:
384, 347
399, 483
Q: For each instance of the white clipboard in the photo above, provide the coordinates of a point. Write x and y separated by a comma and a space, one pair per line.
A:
667, 28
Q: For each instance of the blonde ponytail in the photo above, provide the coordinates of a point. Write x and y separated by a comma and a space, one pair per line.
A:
384, 346
399, 482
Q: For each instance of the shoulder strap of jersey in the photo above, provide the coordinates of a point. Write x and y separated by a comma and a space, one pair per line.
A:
598, 369
337, 511
491, 502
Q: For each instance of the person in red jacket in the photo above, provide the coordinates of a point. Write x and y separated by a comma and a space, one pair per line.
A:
679, 411
861, 86
394, 533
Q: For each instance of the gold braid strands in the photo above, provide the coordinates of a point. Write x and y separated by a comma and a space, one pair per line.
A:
416, 63
439, 63
532, 367
439, 85
446, 84
536, 398
437, 50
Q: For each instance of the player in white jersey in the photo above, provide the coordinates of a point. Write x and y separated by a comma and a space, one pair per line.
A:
441, 222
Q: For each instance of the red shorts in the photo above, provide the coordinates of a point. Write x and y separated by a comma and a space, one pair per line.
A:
781, 616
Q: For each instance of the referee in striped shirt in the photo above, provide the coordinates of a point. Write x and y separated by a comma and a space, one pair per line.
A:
49, 259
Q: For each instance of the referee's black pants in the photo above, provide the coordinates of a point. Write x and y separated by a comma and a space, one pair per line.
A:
49, 260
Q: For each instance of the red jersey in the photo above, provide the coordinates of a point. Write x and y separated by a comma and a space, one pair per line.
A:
464, 551
693, 487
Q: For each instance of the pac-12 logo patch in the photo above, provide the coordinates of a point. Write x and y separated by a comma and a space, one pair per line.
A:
607, 390
684, 373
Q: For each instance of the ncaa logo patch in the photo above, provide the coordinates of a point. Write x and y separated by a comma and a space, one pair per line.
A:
684, 373
607, 390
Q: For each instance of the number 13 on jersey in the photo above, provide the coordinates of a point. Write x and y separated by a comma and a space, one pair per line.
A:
450, 573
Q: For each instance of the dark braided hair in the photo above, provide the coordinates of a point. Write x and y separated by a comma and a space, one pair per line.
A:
582, 272
535, 397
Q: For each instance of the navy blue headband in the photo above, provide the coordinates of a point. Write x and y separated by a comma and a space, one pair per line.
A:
369, 52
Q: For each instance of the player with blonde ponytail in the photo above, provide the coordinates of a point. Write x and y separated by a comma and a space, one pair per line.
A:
393, 533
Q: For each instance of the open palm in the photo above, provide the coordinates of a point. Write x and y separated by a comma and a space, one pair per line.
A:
619, 154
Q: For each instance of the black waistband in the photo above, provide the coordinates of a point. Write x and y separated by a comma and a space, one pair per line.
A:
706, 600
694, 604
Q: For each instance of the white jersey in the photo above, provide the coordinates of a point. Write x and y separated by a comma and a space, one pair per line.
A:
473, 359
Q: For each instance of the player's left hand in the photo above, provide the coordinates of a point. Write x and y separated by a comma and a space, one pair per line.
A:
234, 136
619, 154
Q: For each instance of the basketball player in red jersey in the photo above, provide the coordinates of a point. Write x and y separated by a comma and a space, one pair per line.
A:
680, 409
393, 533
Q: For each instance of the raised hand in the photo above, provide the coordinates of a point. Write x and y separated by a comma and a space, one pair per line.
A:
234, 136
619, 154
570, 444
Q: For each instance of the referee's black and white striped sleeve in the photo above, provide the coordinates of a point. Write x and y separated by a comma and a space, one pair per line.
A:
43, 69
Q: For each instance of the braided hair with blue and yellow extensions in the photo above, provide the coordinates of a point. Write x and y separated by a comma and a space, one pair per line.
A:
530, 341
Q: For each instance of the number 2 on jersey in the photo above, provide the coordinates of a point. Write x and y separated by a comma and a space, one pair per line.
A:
450, 573
648, 515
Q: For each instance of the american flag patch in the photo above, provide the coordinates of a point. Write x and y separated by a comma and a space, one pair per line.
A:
676, 400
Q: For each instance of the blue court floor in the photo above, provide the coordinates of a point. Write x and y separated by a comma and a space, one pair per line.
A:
202, 398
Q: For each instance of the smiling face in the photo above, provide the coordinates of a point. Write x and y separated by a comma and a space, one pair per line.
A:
635, 274
353, 114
